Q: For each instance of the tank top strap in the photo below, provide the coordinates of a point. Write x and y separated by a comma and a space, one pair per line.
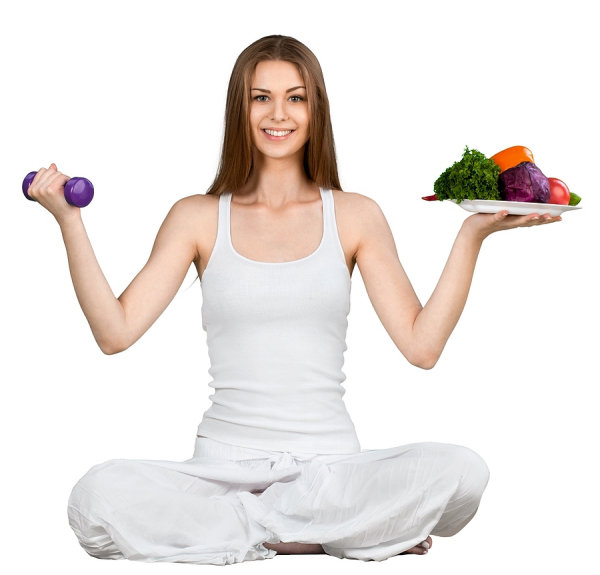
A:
224, 215
221, 241
330, 231
326, 197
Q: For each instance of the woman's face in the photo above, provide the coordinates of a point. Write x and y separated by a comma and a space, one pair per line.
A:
278, 110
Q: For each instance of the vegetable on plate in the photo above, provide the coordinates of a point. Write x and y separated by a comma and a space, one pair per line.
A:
524, 182
473, 177
559, 192
512, 156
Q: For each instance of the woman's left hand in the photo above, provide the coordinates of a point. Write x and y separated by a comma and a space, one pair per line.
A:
485, 224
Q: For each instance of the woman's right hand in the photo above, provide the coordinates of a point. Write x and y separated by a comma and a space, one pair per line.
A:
48, 189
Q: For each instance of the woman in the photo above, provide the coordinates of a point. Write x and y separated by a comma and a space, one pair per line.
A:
277, 466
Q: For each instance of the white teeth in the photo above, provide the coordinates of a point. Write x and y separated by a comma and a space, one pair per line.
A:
277, 133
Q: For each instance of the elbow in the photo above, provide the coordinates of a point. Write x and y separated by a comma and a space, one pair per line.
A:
108, 349
424, 363
111, 346
424, 360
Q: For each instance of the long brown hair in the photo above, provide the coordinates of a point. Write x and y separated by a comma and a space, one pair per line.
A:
235, 165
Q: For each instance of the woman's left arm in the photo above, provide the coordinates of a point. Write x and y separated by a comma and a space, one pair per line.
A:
421, 332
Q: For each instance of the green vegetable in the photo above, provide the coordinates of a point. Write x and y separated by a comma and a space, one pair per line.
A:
574, 199
474, 177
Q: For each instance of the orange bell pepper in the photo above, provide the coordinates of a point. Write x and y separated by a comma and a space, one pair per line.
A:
510, 157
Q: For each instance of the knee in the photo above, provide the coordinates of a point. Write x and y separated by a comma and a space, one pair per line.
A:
475, 473
469, 475
88, 510
91, 490
466, 468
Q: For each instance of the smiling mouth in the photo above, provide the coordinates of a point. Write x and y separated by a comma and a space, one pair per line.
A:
278, 133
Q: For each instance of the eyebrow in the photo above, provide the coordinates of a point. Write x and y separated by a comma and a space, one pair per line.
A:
288, 90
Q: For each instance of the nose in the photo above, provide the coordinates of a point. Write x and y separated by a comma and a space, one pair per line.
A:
278, 112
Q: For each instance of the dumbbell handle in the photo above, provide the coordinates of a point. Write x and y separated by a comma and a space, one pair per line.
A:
78, 191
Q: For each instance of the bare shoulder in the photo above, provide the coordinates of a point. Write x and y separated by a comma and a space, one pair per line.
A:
357, 212
198, 215
196, 206
357, 216
354, 205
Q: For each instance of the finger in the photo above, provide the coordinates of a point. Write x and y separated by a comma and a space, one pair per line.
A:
46, 172
43, 175
551, 220
51, 183
533, 217
38, 175
516, 221
56, 181
31, 191
51, 172
547, 219
48, 177
539, 219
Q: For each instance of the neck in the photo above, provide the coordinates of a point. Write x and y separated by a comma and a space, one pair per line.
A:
275, 182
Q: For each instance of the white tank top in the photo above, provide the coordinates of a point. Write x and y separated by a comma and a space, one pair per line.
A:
276, 336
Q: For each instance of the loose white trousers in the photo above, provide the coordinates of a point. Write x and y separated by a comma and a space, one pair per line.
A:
221, 506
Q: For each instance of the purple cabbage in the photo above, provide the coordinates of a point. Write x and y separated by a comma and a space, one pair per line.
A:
524, 183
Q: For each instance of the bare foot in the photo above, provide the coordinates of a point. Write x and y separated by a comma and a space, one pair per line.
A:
420, 549
295, 548
315, 548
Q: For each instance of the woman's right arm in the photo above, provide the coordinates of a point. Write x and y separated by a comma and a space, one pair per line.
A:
117, 323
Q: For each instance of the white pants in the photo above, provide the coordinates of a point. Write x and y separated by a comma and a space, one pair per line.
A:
221, 506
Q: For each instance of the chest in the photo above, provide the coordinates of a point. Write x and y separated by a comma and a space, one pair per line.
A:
276, 237
307, 295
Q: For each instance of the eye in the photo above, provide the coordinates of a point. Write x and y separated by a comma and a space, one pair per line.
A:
296, 98
260, 97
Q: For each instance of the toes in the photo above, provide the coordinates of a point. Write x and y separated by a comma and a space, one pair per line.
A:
420, 549
417, 550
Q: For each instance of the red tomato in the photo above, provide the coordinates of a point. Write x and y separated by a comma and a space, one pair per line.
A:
559, 192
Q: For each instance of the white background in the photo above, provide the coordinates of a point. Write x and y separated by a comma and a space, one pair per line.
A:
131, 94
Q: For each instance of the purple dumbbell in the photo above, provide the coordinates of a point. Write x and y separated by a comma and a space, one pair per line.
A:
78, 191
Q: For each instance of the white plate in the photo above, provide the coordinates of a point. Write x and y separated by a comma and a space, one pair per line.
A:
515, 208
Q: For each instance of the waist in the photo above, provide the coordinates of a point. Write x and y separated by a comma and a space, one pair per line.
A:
335, 436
